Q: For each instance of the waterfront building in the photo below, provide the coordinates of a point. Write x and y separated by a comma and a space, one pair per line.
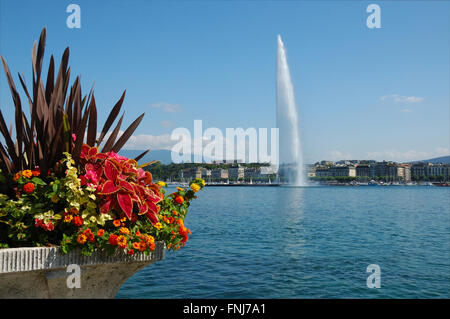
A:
219, 173
387, 170
363, 170
419, 170
438, 171
206, 174
252, 172
342, 170
236, 173
310, 170
322, 171
191, 173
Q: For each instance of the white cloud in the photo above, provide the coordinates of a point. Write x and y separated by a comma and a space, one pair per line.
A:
402, 98
145, 141
167, 107
406, 110
155, 142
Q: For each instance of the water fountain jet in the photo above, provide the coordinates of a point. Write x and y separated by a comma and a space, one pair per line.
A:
290, 148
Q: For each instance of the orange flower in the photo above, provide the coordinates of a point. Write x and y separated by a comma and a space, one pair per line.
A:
174, 212
142, 246
17, 176
27, 173
179, 200
116, 223
180, 189
36, 173
73, 210
100, 232
122, 241
136, 245
81, 239
138, 233
28, 188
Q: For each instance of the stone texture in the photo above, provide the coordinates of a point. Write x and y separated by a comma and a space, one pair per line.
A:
37, 272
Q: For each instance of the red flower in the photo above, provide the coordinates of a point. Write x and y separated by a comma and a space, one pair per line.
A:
100, 232
130, 252
77, 220
49, 226
28, 188
113, 239
38, 222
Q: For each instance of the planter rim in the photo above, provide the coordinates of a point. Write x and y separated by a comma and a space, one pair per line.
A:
42, 258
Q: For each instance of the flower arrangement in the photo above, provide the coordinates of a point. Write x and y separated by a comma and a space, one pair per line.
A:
60, 187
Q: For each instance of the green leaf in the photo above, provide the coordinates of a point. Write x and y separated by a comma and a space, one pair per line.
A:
55, 187
38, 181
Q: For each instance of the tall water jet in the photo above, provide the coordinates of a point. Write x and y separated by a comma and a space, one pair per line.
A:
290, 148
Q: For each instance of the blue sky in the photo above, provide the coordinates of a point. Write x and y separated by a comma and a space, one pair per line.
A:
362, 93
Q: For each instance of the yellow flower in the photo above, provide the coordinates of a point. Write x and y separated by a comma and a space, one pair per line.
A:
124, 230
195, 187
150, 239
27, 173
68, 218
161, 183
180, 189
158, 226
203, 182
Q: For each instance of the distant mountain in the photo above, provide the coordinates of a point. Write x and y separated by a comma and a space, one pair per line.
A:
164, 156
436, 160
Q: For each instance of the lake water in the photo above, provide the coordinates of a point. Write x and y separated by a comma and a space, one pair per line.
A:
316, 242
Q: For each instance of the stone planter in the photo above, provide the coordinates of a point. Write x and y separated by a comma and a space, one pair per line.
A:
43, 272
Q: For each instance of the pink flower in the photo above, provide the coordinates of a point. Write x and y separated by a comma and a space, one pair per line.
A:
74, 137
141, 173
49, 226
116, 156
38, 222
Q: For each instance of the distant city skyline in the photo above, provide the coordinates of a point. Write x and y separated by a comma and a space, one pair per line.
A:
380, 94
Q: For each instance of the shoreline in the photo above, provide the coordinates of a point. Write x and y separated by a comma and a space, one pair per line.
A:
313, 184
